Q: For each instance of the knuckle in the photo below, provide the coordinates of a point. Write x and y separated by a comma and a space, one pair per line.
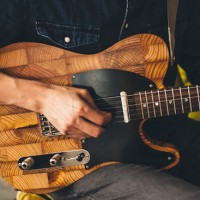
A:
98, 132
71, 122
67, 128
84, 92
80, 108
101, 120
86, 109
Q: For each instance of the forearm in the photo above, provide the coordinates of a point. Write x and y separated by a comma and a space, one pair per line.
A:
70, 110
20, 92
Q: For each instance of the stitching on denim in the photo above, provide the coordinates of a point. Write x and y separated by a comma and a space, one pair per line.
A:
81, 195
89, 28
71, 44
125, 16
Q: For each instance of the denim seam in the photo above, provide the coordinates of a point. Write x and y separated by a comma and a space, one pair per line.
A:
71, 27
123, 23
71, 46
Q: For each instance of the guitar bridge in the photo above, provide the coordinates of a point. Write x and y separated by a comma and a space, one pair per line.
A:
47, 128
58, 159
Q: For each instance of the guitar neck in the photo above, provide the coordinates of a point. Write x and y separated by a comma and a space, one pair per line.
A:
165, 102
144, 105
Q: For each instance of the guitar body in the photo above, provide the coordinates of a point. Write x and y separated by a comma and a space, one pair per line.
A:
137, 63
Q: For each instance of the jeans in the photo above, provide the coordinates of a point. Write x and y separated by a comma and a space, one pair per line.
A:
138, 182
129, 182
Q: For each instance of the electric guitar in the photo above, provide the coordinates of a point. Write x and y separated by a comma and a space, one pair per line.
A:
125, 79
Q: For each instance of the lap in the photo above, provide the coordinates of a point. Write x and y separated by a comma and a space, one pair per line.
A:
128, 181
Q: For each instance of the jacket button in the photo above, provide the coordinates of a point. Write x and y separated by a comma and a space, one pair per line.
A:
67, 39
126, 26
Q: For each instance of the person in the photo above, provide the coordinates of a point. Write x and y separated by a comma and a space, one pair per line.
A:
90, 27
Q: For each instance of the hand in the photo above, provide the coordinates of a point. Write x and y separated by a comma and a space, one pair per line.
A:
73, 112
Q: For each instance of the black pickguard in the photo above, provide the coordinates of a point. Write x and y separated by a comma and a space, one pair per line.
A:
120, 143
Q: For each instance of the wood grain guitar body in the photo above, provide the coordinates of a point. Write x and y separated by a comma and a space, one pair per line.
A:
142, 58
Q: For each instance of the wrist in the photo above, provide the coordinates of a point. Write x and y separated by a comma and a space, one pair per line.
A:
30, 94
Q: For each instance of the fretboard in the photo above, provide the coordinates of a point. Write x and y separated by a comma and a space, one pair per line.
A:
143, 105
165, 102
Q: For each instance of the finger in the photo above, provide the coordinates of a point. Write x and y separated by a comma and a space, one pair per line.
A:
90, 110
79, 137
76, 133
97, 117
85, 95
90, 129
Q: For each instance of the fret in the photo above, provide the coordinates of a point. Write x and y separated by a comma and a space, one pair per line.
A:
166, 100
135, 107
144, 105
141, 105
153, 103
173, 100
178, 101
190, 101
147, 104
194, 99
197, 88
164, 111
180, 90
150, 104
185, 100
170, 102
156, 103
160, 104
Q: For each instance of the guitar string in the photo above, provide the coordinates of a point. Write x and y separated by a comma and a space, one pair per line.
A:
141, 118
139, 104
158, 114
131, 115
140, 113
118, 100
149, 102
118, 121
149, 92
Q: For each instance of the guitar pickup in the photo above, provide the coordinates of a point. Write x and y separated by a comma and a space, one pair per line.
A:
58, 159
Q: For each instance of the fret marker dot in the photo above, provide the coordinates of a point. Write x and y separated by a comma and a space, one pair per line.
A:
144, 105
156, 104
170, 102
186, 99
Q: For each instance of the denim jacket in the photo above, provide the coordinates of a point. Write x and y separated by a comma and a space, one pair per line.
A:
93, 25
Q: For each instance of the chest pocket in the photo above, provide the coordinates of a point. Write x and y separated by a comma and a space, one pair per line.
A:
68, 36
